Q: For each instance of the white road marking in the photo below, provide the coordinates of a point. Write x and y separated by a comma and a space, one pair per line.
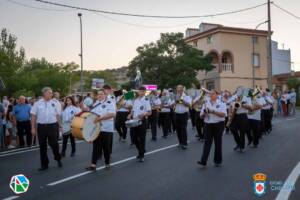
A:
29, 150
284, 194
11, 198
112, 164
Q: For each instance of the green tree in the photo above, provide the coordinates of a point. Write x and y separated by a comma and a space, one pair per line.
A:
11, 61
169, 61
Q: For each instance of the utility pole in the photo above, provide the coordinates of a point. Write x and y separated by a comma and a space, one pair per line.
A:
81, 64
269, 40
253, 52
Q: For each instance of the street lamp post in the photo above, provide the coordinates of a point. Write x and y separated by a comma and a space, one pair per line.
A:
253, 51
81, 57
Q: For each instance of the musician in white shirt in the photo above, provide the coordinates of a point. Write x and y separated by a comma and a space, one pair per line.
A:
214, 113
155, 104
141, 110
182, 105
254, 116
106, 111
122, 113
267, 112
166, 104
46, 114
240, 124
67, 115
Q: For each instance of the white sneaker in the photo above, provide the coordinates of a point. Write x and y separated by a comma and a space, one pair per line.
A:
10, 146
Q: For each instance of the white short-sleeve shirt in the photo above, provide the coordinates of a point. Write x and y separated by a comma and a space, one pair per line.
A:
218, 106
46, 112
245, 101
180, 108
256, 114
106, 107
141, 106
124, 108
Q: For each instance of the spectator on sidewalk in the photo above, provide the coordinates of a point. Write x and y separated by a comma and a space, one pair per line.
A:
293, 96
2, 111
21, 112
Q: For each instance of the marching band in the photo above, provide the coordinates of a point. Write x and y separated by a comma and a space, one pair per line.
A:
245, 113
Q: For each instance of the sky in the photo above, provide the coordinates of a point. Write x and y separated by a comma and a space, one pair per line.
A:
110, 41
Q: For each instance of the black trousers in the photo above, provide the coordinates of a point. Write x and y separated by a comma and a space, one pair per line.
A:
102, 144
192, 116
172, 117
213, 133
120, 124
255, 129
131, 135
65, 142
266, 120
159, 122
48, 133
139, 138
181, 125
199, 125
153, 123
165, 122
24, 129
239, 127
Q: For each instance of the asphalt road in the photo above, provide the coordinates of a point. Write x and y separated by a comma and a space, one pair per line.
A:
167, 173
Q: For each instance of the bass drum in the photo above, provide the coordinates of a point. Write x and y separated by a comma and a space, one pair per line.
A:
83, 127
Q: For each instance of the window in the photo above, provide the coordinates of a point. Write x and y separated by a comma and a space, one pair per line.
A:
256, 60
210, 85
195, 43
254, 39
209, 39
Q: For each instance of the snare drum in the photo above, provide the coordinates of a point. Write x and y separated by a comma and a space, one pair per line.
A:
133, 123
83, 127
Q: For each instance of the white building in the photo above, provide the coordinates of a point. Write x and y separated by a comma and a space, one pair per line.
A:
281, 60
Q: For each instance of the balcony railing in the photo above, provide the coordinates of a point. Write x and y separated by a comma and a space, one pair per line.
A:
226, 66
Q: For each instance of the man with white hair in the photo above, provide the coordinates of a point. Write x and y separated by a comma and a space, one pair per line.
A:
46, 114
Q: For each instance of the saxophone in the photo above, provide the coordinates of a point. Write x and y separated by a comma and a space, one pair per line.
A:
120, 102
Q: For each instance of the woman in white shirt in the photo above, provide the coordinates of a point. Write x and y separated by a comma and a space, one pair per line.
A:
67, 115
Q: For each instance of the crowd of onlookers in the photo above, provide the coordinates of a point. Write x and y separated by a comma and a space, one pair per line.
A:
285, 102
15, 126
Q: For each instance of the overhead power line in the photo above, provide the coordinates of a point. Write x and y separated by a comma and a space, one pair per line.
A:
148, 16
38, 8
286, 11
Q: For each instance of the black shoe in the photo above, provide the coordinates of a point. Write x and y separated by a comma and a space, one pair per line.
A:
183, 147
249, 143
153, 139
201, 164
254, 146
59, 163
63, 154
43, 168
72, 154
90, 168
242, 150
236, 148
218, 165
